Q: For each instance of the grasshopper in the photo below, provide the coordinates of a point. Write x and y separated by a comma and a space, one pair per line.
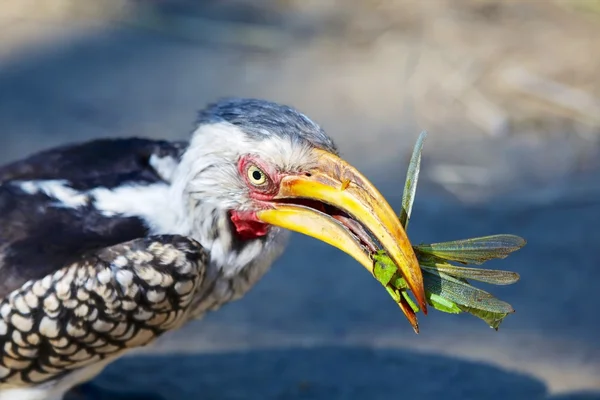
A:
447, 286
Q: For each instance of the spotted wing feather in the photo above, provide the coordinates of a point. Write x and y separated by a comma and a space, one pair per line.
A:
117, 298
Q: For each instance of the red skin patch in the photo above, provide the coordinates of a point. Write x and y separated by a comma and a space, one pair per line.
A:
246, 223
247, 226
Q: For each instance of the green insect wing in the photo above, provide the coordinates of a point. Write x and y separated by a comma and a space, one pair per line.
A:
464, 294
491, 276
412, 178
474, 251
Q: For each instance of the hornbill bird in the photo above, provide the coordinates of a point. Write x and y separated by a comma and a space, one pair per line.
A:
108, 244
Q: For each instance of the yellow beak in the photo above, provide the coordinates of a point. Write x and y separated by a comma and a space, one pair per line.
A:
336, 183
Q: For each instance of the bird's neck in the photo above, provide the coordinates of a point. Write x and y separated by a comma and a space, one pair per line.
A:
232, 247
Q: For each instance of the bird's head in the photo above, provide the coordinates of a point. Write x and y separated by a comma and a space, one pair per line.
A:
266, 166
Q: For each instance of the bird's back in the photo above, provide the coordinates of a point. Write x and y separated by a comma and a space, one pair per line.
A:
41, 230
79, 286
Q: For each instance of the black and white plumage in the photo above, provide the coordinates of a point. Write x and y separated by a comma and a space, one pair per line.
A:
106, 245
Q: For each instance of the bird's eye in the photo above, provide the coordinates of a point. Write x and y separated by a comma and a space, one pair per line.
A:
256, 176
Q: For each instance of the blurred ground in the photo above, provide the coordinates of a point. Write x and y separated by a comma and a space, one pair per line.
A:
510, 96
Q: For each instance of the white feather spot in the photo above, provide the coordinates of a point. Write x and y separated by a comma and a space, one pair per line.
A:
21, 323
120, 262
21, 305
17, 337
164, 166
56, 189
81, 355
102, 326
36, 376
63, 289
142, 314
93, 314
70, 303
125, 278
31, 300
155, 296
74, 331
47, 282
51, 303
104, 276
61, 342
59, 274
168, 256
184, 287
119, 329
90, 285
48, 327
33, 339
128, 305
151, 203
28, 352
5, 310
38, 289
81, 311
82, 294
151, 276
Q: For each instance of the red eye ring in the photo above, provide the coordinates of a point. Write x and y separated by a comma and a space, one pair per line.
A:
259, 176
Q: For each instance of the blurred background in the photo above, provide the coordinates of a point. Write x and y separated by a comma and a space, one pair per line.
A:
509, 92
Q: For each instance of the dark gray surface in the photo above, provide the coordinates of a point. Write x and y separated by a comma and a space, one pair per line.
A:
328, 373
124, 84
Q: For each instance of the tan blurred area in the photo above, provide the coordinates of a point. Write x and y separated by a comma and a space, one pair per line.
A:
481, 66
